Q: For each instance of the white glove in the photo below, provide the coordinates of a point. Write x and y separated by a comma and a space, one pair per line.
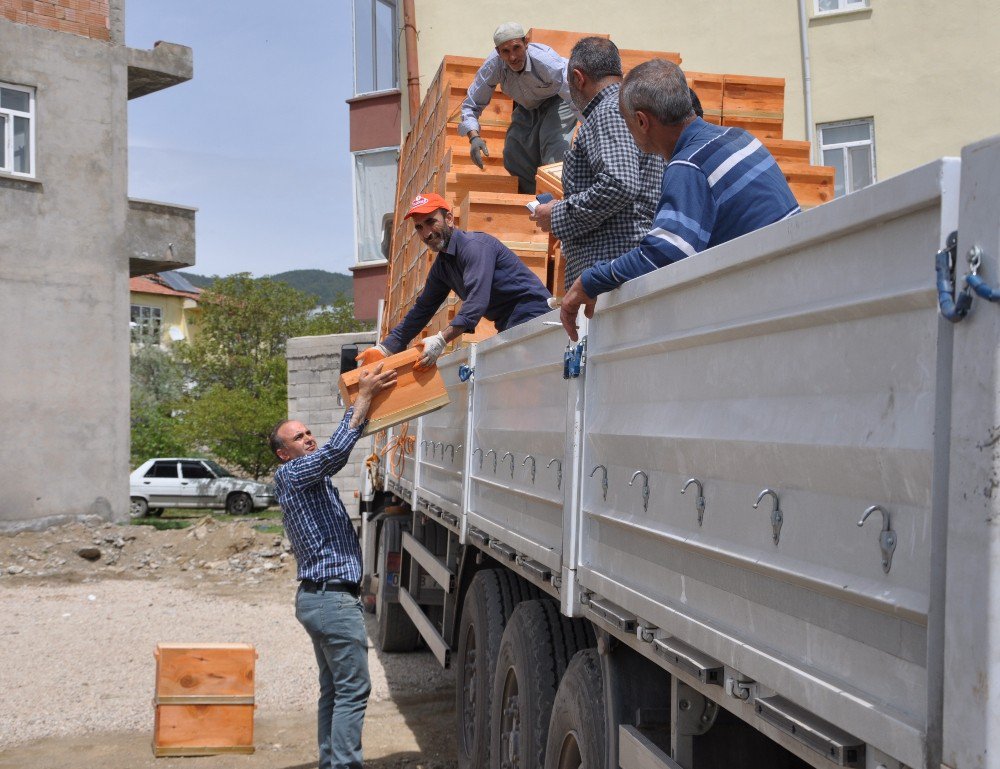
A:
554, 302
433, 346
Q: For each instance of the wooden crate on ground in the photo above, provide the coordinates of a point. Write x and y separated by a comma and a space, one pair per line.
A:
417, 392
204, 699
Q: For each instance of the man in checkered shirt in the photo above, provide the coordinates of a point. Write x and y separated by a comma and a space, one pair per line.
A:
611, 188
329, 568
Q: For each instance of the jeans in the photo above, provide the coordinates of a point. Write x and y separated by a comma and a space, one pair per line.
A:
335, 622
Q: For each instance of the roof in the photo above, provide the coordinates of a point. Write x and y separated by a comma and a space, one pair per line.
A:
157, 284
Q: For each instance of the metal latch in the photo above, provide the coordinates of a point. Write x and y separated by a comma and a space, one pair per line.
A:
690, 660
574, 359
837, 745
613, 613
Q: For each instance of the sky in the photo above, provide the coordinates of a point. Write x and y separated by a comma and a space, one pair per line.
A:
258, 140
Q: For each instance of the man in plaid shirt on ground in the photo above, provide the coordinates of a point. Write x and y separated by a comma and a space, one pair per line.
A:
329, 568
610, 187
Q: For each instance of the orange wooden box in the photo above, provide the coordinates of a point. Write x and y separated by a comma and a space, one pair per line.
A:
416, 392
204, 699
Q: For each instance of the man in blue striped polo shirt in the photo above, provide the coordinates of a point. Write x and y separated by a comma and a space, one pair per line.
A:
720, 183
329, 568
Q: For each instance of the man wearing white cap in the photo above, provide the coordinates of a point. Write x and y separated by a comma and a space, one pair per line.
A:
534, 76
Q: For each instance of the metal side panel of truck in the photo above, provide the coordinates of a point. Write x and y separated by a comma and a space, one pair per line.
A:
696, 493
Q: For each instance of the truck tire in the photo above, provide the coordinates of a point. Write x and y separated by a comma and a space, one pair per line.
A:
488, 603
396, 632
535, 651
577, 737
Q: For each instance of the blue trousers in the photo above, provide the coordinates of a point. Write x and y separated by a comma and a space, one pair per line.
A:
335, 623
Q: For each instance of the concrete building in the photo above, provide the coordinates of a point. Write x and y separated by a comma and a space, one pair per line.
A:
69, 241
163, 310
313, 398
890, 86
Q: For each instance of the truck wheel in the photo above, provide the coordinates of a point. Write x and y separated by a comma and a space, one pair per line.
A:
396, 632
577, 729
488, 603
535, 651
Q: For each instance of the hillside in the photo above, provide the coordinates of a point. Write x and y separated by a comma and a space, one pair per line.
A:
325, 286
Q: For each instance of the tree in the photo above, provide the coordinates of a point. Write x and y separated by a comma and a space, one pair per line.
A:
157, 385
237, 364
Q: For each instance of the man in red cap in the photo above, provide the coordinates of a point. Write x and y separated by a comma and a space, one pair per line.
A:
491, 280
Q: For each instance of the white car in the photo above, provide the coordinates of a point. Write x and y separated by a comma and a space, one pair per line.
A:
199, 483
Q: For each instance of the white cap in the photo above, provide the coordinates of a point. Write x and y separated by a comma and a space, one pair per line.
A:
509, 30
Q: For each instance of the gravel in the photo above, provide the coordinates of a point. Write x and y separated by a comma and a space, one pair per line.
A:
77, 657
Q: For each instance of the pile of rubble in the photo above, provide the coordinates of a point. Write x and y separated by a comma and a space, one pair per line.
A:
94, 548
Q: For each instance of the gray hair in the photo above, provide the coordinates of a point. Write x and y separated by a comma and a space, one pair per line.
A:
273, 440
596, 57
658, 88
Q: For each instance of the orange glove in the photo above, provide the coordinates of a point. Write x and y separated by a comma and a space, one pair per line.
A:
372, 355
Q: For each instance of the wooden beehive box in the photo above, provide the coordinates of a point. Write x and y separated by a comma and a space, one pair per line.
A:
204, 701
417, 392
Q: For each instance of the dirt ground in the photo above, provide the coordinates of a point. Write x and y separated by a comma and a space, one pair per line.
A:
85, 604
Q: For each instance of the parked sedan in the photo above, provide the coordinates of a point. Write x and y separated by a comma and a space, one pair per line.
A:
198, 483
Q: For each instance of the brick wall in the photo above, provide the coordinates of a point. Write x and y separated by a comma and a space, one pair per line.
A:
79, 17
313, 371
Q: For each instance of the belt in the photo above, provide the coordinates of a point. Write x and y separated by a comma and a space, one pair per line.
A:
331, 585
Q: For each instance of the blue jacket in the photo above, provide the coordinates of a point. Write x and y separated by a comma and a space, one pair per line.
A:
489, 278
720, 183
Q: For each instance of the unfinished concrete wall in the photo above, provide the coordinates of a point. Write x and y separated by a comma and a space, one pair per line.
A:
313, 371
64, 286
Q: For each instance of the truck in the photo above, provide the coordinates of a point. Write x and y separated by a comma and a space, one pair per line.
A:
749, 519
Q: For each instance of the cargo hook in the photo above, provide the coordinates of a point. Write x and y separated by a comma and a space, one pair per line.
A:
452, 447
480, 451
508, 454
776, 516
700, 502
558, 471
526, 462
491, 451
886, 537
441, 444
423, 446
645, 487
604, 482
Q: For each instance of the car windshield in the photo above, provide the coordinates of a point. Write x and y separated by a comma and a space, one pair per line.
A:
218, 469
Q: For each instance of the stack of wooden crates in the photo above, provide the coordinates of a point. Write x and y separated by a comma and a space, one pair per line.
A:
204, 699
434, 158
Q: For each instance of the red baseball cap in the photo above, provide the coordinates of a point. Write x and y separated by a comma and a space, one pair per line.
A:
427, 204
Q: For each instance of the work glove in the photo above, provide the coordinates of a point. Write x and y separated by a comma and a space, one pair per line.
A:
433, 346
477, 148
373, 355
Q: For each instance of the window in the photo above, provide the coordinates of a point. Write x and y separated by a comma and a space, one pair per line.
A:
375, 37
195, 470
17, 130
374, 197
833, 6
146, 325
850, 148
162, 470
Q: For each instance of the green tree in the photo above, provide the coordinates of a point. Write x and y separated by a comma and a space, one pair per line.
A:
237, 364
157, 385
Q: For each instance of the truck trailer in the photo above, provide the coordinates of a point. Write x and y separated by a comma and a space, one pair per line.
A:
749, 520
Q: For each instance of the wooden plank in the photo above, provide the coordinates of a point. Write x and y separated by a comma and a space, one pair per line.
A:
205, 670
203, 730
811, 185
744, 94
761, 127
709, 90
632, 58
560, 41
417, 392
549, 179
502, 215
789, 150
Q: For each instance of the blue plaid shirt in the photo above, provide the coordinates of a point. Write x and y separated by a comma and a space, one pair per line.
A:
316, 522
